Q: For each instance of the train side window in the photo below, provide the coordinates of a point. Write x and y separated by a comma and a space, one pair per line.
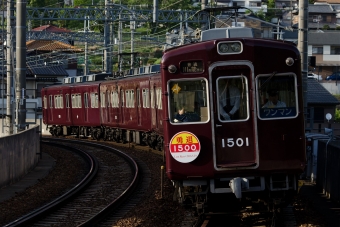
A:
94, 100
115, 99
159, 98
51, 101
61, 101
73, 101
78, 100
145, 97
232, 98
277, 96
130, 98
188, 101
45, 102
127, 98
56, 102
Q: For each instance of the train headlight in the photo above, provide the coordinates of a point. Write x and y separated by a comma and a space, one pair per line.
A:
229, 47
289, 61
172, 69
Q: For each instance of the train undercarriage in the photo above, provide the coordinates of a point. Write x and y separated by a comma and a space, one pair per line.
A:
270, 191
152, 139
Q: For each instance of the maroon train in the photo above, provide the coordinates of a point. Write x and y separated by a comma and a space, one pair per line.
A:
255, 151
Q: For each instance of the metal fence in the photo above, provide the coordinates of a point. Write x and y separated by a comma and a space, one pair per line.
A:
328, 168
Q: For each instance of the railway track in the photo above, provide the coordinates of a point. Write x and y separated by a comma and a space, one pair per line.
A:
283, 217
111, 180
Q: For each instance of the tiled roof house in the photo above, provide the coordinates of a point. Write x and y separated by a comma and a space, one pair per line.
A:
319, 102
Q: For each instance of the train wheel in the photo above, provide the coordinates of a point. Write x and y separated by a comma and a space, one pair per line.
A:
105, 136
160, 143
178, 194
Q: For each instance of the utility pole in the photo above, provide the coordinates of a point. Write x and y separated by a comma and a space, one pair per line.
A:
106, 55
133, 29
86, 30
9, 66
303, 48
20, 69
120, 41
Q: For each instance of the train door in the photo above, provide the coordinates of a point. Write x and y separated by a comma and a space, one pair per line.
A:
86, 106
122, 105
139, 107
68, 110
153, 107
234, 121
50, 107
109, 105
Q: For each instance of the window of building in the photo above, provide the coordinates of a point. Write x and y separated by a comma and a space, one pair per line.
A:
335, 50
317, 50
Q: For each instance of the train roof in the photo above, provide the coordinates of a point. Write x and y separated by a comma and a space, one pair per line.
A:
145, 70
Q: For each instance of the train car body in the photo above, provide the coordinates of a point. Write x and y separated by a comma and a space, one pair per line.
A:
133, 104
56, 107
260, 150
227, 113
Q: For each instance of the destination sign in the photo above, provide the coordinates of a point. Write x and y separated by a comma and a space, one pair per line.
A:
191, 66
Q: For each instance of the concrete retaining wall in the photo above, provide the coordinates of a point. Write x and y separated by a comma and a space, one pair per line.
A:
18, 155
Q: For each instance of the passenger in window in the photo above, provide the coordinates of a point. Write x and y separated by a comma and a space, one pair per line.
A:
229, 101
274, 101
181, 116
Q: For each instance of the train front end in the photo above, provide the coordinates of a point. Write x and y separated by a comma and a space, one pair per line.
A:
224, 131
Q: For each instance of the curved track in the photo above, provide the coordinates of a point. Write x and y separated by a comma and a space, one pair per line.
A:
96, 196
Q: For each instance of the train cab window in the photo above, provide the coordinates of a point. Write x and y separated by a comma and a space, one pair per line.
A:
188, 101
276, 96
232, 98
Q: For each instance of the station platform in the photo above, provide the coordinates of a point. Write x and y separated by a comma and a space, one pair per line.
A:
45, 165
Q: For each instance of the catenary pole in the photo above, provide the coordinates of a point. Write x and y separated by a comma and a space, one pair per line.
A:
303, 48
9, 68
20, 69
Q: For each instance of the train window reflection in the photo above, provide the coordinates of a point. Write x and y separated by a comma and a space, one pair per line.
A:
232, 98
188, 101
277, 96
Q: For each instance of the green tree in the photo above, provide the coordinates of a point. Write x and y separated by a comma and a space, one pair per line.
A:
326, 27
